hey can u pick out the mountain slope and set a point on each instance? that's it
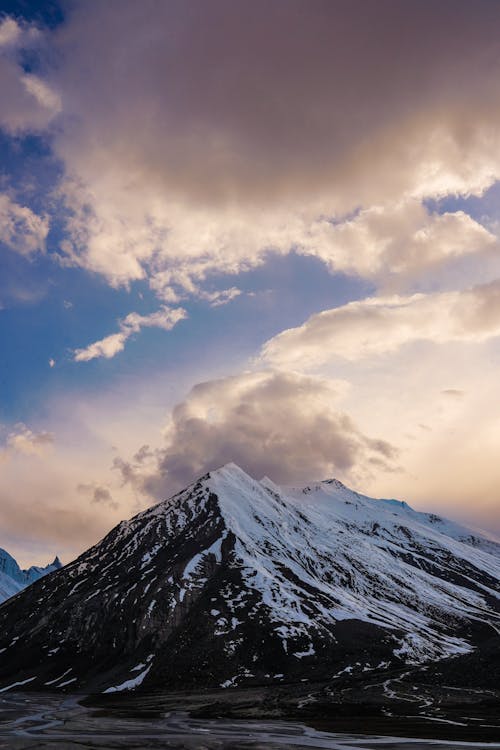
(13, 579)
(234, 581)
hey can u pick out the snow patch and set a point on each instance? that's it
(129, 684)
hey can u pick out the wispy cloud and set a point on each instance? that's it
(108, 347)
(380, 325)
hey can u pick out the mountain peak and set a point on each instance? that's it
(230, 470)
(234, 580)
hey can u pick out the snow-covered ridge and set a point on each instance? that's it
(13, 579)
(351, 556)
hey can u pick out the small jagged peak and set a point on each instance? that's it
(57, 563)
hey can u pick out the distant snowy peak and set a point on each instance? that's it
(13, 579)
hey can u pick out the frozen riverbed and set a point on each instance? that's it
(40, 721)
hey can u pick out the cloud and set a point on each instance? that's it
(106, 347)
(21, 229)
(222, 297)
(42, 511)
(99, 495)
(166, 319)
(380, 325)
(179, 166)
(44, 95)
(186, 153)
(29, 102)
(400, 242)
(22, 440)
(10, 32)
(283, 425)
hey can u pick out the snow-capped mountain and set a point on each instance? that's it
(235, 581)
(13, 579)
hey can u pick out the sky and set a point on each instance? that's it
(260, 231)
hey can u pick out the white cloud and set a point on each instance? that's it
(45, 96)
(29, 103)
(383, 324)
(222, 297)
(108, 347)
(398, 243)
(22, 440)
(20, 228)
(10, 32)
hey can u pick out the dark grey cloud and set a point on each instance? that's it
(99, 495)
(283, 425)
(143, 454)
(252, 99)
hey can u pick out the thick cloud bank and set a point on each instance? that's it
(197, 137)
(282, 425)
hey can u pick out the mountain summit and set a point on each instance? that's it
(234, 581)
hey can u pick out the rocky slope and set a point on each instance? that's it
(13, 579)
(239, 582)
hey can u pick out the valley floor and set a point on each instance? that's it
(233, 720)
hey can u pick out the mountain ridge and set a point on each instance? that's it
(234, 582)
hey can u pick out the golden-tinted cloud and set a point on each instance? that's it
(197, 137)
(379, 325)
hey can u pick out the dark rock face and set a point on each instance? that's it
(235, 582)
